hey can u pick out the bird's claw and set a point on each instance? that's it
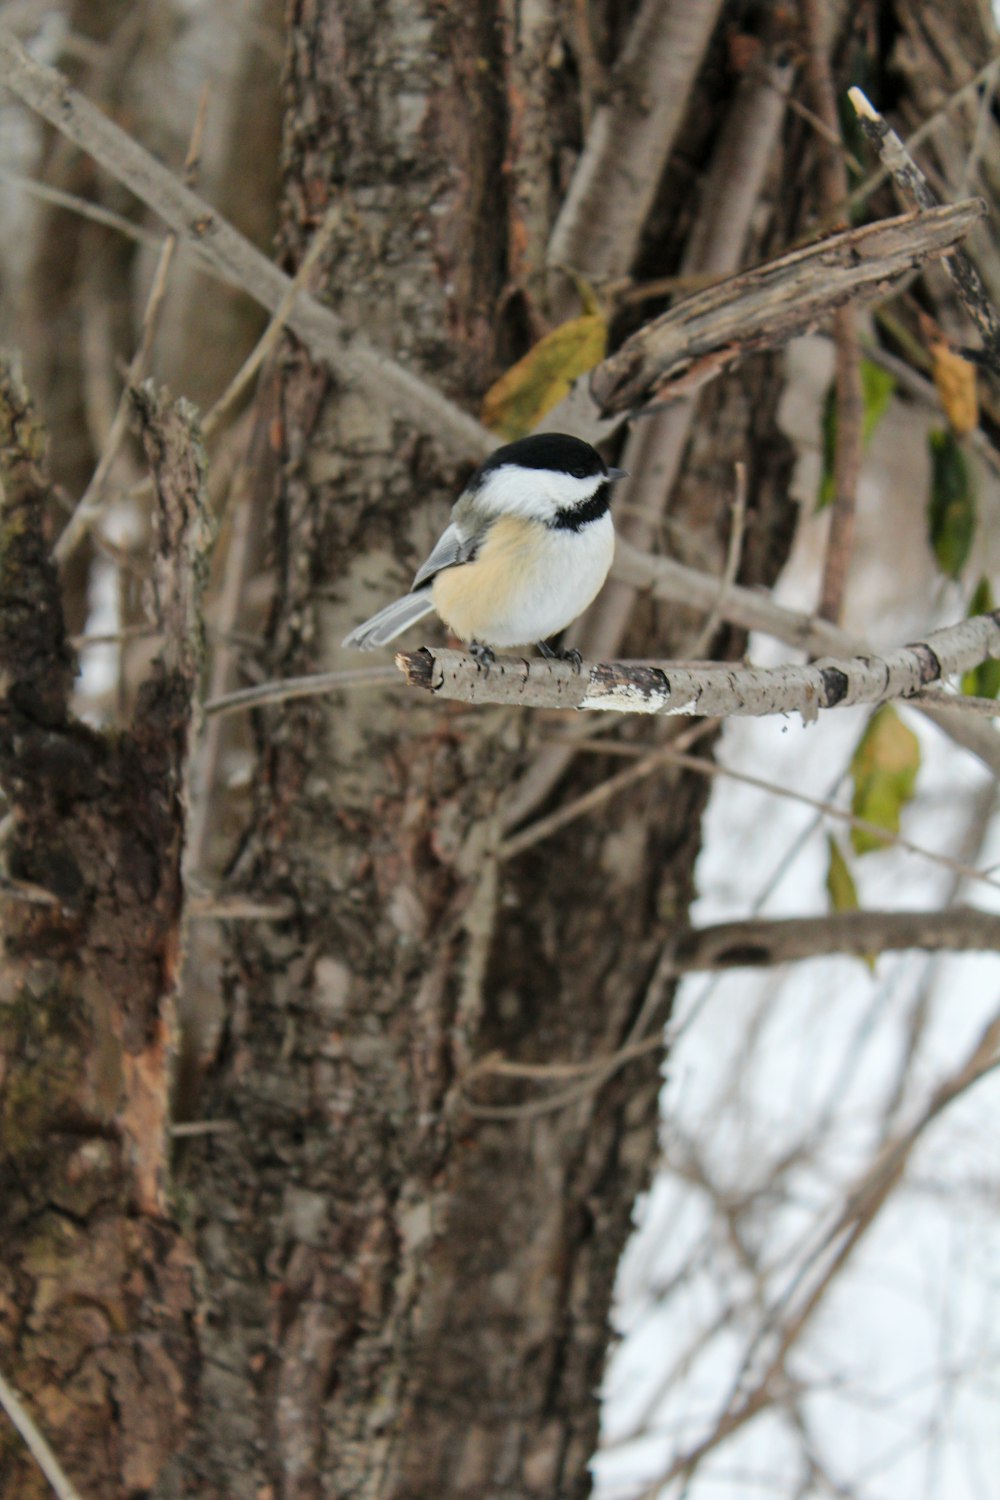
(482, 655)
(569, 654)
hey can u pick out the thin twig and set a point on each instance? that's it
(496, 1066)
(40, 1450)
(871, 184)
(83, 207)
(272, 333)
(831, 810)
(301, 687)
(588, 802)
(765, 942)
(672, 755)
(238, 908)
(915, 188)
(26, 890)
(734, 553)
(93, 500)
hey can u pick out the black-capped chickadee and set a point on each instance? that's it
(528, 548)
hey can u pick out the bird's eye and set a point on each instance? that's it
(578, 471)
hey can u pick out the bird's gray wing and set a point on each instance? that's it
(458, 543)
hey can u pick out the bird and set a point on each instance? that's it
(528, 547)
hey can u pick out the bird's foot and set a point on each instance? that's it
(482, 655)
(562, 654)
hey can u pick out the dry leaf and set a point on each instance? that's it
(516, 403)
(955, 379)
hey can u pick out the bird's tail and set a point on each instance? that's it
(390, 622)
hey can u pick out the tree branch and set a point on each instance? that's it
(704, 334)
(228, 255)
(722, 691)
(40, 1449)
(598, 228)
(753, 610)
(913, 185)
(759, 944)
(690, 344)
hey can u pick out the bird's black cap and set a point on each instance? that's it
(546, 450)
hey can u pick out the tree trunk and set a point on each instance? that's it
(96, 1285)
(432, 1317)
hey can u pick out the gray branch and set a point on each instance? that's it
(913, 186)
(598, 228)
(704, 334)
(710, 691)
(765, 943)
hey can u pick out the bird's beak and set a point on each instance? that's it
(616, 474)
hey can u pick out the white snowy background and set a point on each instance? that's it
(782, 1086)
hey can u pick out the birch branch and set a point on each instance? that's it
(225, 252)
(711, 691)
(754, 610)
(764, 943)
(704, 334)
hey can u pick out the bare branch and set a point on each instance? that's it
(597, 231)
(93, 500)
(713, 691)
(706, 333)
(40, 1450)
(231, 257)
(914, 186)
(762, 943)
(82, 206)
(862, 1206)
(286, 688)
(755, 610)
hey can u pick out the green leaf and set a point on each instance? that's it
(884, 767)
(517, 402)
(840, 885)
(841, 888)
(951, 511)
(877, 389)
(982, 681)
(829, 447)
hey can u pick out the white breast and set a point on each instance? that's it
(527, 583)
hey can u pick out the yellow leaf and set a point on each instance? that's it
(884, 767)
(517, 402)
(955, 379)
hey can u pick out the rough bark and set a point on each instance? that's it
(433, 1313)
(96, 1285)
